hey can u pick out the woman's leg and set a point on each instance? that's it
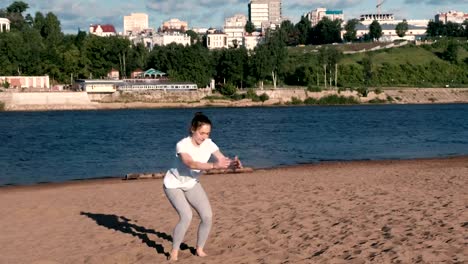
(179, 202)
(198, 199)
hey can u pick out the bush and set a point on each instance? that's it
(378, 91)
(363, 91)
(252, 95)
(389, 98)
(215, 97)
(2, 106)
(313, 88)
(377, 101)
(295, 101)
(310, 101)
(263, 97)
(6, 85)
(237, 97)
(228, 89)
(337, 100)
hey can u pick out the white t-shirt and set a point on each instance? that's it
(181, 176)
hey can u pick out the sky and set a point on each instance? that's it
(79, 14)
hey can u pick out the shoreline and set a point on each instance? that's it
(62, 101)
(395, 211)
(121, 179)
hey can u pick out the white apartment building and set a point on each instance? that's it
(234, 27)
(451, 16)
(389, 33)
(367, 19)
(4, 24)
(135, 23)
(102, 30)
(168, 38)
(174, 24)
(261, 11)
(318, 14)
(217, 40)
(252, 40)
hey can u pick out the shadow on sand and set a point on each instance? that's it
(122, 224)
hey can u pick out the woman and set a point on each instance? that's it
(182, 186)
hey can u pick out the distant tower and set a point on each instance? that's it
(261, 11)
(135, 23)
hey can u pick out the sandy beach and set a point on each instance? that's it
(412, 211)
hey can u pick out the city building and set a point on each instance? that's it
(451, 16)
(135, 23)
(216, 40)
(367, 19)
(4, 24)
(113, 74)
(389, 33)
(163, 39)
(174, 24)
(234, 27)
(250, 41)
(102, 30)
(200, 31)
(26, 81)
(265, 11)
(318, 14)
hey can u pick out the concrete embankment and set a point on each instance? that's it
(47, 101)
(31, 101)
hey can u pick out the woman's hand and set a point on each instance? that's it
(222, 163)
(236, 163)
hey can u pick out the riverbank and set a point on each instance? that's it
(79, 101)
(404, 211)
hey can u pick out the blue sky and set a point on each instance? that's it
(75, 14)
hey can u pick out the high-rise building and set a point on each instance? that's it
(234, 27)
(265, 12)
(451, 16)
(318, 14)
(135, 23)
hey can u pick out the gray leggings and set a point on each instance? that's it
(181, 200)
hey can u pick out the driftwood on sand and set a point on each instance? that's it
(160, 175)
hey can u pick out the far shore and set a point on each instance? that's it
(278, 97)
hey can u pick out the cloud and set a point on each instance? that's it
(436, 2)
(201, 13)
(313, 4)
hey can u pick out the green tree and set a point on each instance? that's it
(451, 52)
(17, 7)
(327, 31)
(375, 30)
(350, 28)
(453, 29)
(435, 29)
(231, 65)
(367, 68)
(268, 59)
(194, 37)
(249, 27)
(465, 26)
(14, 13)
(303, 27)
(401, 28)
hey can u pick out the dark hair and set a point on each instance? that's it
(199, 120)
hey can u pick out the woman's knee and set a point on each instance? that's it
(186, 217)
(207, 217)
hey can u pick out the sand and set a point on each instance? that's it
(413, 211)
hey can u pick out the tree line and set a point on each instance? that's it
(36, 46)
